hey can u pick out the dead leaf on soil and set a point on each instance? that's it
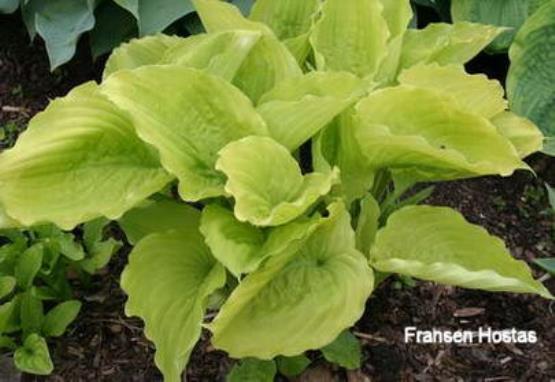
(468, 312)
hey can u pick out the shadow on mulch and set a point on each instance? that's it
(104, 345)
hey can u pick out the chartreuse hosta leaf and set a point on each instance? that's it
(523, 134)
(136, 53)
(368, 223)
(272, 62)
(474, 94)
(241, 247)
(350, 36)
(446, 43)
(530, 80)
(438, 244)
(236, 245)
(338, 145)
(397, 14)
(158, 215)
(430, 139)
(78, 160)
(296, 109)
(217, 15)
(287, 18)
(267, 183)
(301, 298)
(188, 116)
(6, 222)
(269, 59)
(220, 53)
(477, 95)
(168, 279)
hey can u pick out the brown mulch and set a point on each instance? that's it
(104, 345)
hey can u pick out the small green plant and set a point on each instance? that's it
(36, 301)
(8, 134)
(345, 351)
(292, 137)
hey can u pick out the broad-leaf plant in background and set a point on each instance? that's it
(292, 137)
(528, 37)
(61, 23)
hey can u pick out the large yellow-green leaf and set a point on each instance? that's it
(351, 36)
(168, 279)
(446, 43)
(475, 94)
(505, 13)
(235, 244)
(530, 81)
(295, 110)
(367, 224)
(337, 145)
(217, 15)
(220, 53)
(523, 134)
(188, 116)
(269, 59)
(139, 52)
(241, 247)
(299, 47)
(287, 18)
(438, 244)
(78, 160)
(267, 183)
(158, 215)
(318, 84)
(397, 14)
(6, 221)
(301, 298)
(426, 135)
(272, 62)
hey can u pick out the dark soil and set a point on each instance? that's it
(104, 345)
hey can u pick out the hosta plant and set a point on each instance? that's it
(290, 138)
(61, 23)
(510, 14)
(532, 70)
(36, 299)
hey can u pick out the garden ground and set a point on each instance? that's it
(104, 345)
